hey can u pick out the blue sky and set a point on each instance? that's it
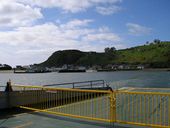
(30, 31)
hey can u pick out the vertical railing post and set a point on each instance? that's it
(8, 89)
(73, 85)
(112, 106)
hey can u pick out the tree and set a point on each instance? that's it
(157, 41)
(147, 42)
(106, 50)
(110, 50)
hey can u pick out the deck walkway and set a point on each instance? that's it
(21, 118)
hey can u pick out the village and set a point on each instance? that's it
(79, 68)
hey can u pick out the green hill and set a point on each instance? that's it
(75, 57)
(156, 55)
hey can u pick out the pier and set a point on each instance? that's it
(93, 101)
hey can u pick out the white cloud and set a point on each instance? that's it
(35, 43)
(108, 10)
(73, 6)
(102, 37)
(136, 29)
(104, 29)
(25, 12)
(14, 14)
(67, 35)
(76, 23)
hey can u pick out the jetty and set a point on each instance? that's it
(71, 71)
(85, 104)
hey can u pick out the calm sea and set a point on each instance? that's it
(115, 79)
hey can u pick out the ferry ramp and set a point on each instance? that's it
(126, 107)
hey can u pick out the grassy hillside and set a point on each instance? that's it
(156, 55)
(75, 57)
(63, 57)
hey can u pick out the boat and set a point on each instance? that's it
(31, 71)
(91, 70)
(71, 70)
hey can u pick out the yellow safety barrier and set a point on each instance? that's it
(78, 103)
(150, 109)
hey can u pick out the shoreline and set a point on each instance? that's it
(146, 69)
(156, 69)
(6, 71)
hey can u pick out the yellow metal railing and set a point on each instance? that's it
(143, 108)
(78, 103)
(150, 109)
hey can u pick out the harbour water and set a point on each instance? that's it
(153, 79)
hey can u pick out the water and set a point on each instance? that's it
(119, 79)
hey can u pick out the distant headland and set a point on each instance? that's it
(152, 55)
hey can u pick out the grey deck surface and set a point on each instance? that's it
(19, 118)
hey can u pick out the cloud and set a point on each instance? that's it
(72, 6)
(68, 34)
(14, 14)
(77, 23)
(102, 37)
(108, 10)
(35, 43)
(138, 30)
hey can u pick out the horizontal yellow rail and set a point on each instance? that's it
(63, 114)
(145, 93)
(141, 124)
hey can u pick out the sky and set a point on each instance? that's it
(31, 30)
